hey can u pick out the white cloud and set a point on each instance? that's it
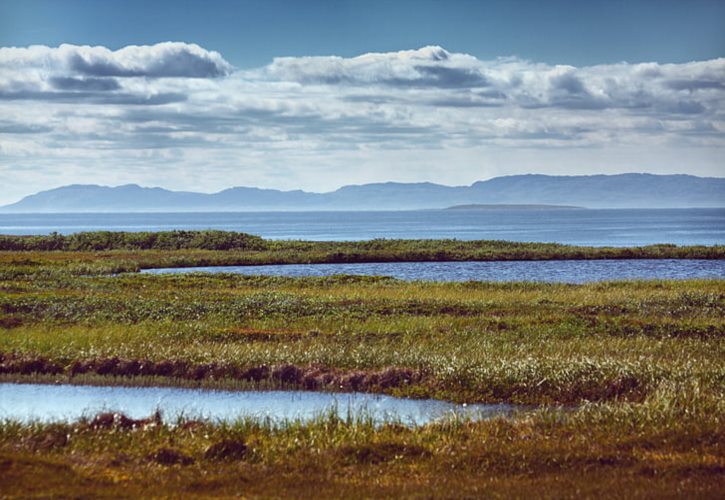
(181, 116)
(426, 67)
(169, 59)
(468, 82)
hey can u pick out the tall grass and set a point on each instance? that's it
(520, 342)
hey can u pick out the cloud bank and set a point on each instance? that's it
(463, 80)
(178, 111)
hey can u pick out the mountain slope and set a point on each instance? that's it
(595, 191)
(624, 190)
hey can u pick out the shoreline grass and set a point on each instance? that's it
(643, 451)
(108, 252)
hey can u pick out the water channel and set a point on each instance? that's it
(557, 271)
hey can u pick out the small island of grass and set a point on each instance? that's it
(504, 206)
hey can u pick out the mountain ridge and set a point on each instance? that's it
(631, 190)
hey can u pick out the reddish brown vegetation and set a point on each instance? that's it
(226, 450)
(307, 377)
(265, 335)
(8, 322)
(376, 453)
(170, 456)
(119, 420)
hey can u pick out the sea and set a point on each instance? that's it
(590, 227)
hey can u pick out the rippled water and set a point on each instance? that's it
(622, 227)
(46, 402)
(560, 271)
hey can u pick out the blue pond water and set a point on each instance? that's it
(560, 271)
(48, 403)
(622, 227)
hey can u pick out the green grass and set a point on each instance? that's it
(517, 342)
(640, 362)
(667, 446)
(110, 252)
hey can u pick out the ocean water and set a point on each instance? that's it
(613, 227)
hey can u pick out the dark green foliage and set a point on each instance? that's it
(260, 251)
(110, 240)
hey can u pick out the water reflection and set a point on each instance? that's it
(47, 402)
(558, 271)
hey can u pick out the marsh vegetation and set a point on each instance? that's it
(640, 362)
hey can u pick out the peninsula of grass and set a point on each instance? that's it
(106, 252)
(636, 364)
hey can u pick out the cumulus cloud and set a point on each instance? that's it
(93, 97)
(177, 102)
(461, 80)
(92, 84)
(426, 67)
(97, 75)
(169, 60)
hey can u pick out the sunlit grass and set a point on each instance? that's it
(521, 342)
(637, 365)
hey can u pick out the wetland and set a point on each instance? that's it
(640, 363)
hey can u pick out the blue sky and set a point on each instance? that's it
(251, 33)
(316, 95)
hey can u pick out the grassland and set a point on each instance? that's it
(639, 364)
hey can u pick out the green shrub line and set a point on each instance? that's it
(132, 251)
(120, 240)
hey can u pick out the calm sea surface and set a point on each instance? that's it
(621, 227)
(552, 271)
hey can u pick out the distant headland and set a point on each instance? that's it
(542, 192)
(509, 206)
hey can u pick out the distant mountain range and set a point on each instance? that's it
(592, 191)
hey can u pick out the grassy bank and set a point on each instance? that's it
(641, 360)
(109, 252)
(668, 447)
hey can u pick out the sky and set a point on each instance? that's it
(205, 95)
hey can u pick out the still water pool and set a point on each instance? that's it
(48, 402)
